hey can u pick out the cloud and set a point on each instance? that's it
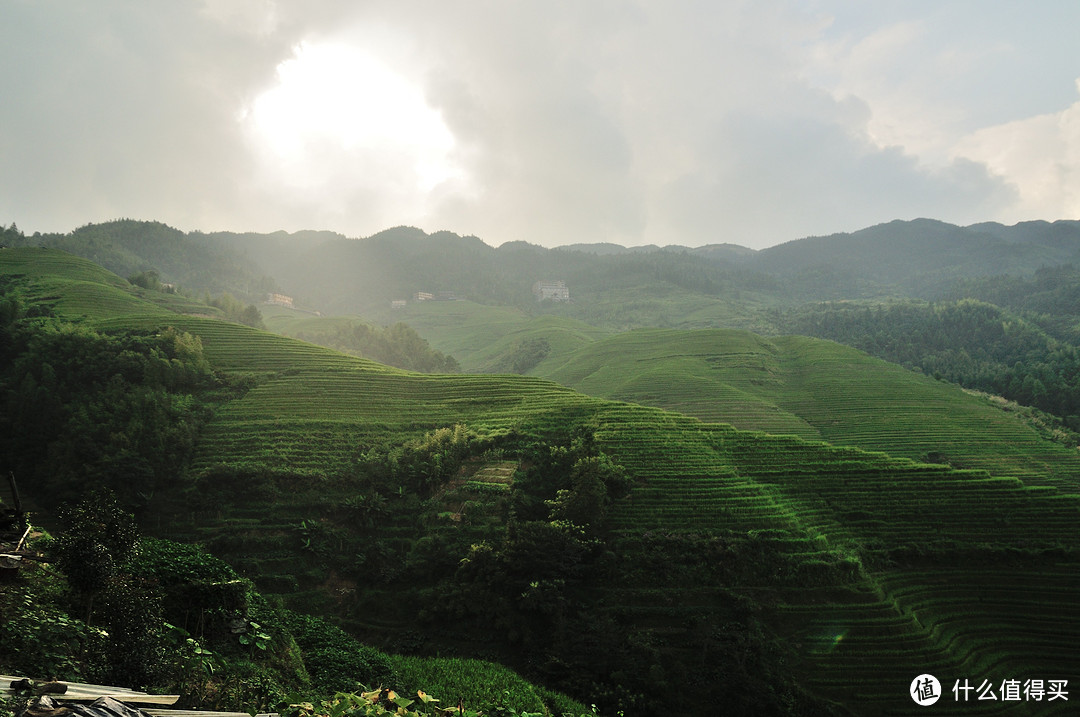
(639, 122)
(1039, 156)
(770, 178)
(122, 108)
(683, 123)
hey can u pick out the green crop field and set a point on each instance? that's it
(457, 328)
(817, 390)
(870, 566)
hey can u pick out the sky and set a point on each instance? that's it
(750, 122)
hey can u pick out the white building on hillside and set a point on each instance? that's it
(553, 290)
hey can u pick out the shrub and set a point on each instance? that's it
(40, 639)
(336, 661)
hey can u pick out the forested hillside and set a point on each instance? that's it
(635, 557)
(128, 247)
(971, 343)
(396, 345)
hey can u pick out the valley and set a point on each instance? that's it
(689, 502)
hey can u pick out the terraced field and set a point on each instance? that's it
(872, 568)
(458, 328)
(817, 390)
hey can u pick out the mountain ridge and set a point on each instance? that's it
(782, 573)
(919, 256)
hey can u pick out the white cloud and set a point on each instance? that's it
(1040, 156)
(554, 121)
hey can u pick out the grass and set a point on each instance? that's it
(817, 390)
(476, 683)
(458, 328)
(872, 566)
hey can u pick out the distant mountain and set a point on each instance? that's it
(724, 252)
(599, 249)
(191, 261)
(615, 551)
(611, 286)
(923, 256)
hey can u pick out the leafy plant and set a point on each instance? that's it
(336, 661)
(40, 639)
(254, 638)
(191, 665)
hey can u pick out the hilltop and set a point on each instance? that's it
(686, 287)
(637, 555)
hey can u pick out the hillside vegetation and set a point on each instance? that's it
(638, 557)
(968, 342)
(396, 345)
(819, 390)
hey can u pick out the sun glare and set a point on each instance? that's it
(337, 96)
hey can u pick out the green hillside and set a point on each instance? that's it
(395, 345)
(79, 288)
(191, 260)
(637, 556)
(818, 390)
(498, 340)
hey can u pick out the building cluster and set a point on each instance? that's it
(425, 296)
(279, 300)
(545, 290)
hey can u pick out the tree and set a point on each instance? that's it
(99, 538)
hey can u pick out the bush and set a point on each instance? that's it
(336, 661)
(132, 610)
(43, 640)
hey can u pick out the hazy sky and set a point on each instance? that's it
(556, 121)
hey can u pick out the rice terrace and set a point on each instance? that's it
(623, 518)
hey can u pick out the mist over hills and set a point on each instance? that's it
(620, 548)
(331, 273)
(783, 519)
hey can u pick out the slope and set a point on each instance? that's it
(923, 256)
(848, 572)
(191, 260)
(815, 389)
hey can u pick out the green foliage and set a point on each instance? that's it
(254, 638)
(336, 661)
(98, 540)
(1048, 298)
(975, 344)
(42, 639)
(131, 609)
(386, 701)
(149, 280)
(425, 463)
(526, 354)
(189, 665)
(368, 704)
(242, 685)
(594, 481)
(175, 564)
(396, 345)
(477, 685)
(235, 310)
(14, 706)
(86, 409)
(94, 551)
